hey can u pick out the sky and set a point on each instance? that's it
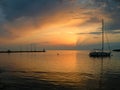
(58, 24)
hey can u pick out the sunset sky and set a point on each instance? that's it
(58, 24)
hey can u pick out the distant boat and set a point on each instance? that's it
(101, 52)
(116, 50)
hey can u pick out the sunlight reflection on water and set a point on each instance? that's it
(69, 70)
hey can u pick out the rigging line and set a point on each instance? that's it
(108, 42)
(109, 47)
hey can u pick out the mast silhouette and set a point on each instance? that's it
(101, 53)
(102, 35)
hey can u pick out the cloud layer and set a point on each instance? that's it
(25, 18)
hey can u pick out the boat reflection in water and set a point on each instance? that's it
(70, 70)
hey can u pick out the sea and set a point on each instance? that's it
(59, 70)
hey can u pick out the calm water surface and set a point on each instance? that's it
(68, 70)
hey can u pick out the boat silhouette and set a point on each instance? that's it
(101, 52)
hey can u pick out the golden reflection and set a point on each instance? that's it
(48, 61)
(56, 67)
(52, 67)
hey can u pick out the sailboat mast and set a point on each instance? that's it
(102, 35)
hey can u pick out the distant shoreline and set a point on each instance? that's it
(116, 50)
(20, 51)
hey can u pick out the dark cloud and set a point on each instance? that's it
(108, 8)
(98, 33)
(2, 16)
(115, 32)
(111, 8)
(19, 13)
(95, 33)
(14, 9)
(28, 8)
(117, 1)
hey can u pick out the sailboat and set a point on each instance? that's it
(101, 53)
